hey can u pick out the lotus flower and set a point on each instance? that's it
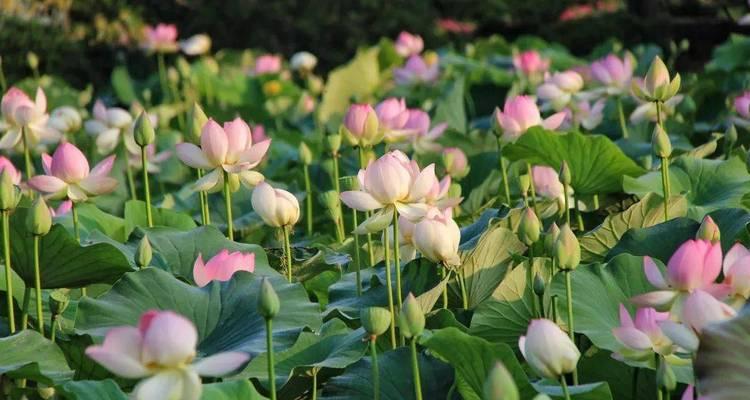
(392, 118)
(548, 349)
(278, 208)
(647, 111)
(196, 45)
(737, 271)
(267, 64)
(422, 135)
(392, 182)
(521, 113)
(7, 165)
(407, 249)
(437, 237)
(68, 176)
(643, 337)
(303, 61)
(742, 108)
(222, 266)
(456, 163)
(361, 126)
(408, 44)
(547, 184)
(656, 86)
(107, 126)
(559, 88)
(699, 310)
(530, 63)
(613, 72)
(161, 349)
(416, 70)
(161, 38)
(585, 114)
(20, 112)
(227, 151)
(65, 119)
(438, 195)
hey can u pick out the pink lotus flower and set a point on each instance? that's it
(458, 27)
(613, 72)
(362, 127)
(643, 337)
(65, 119)
(6, 165)
(559, 88)
(68, 176)
(547, 182)
(548, 349)
(437, 237)
(161, 349)
(107, 126)
(422, 135)
(267, 64)
(392, 118)
(227, 151)
(521, 113)
(701, 309)
(530, 63)
(438, 195)
(737, 271)
(408, 44)
(258, 133)
(416, 70)
(277, 207)
(742, 108)
(19, 112)
(222, 266)
(456, 163)
(161, 38)
(392, 182)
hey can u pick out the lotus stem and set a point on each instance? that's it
(25, 308)
(571, 323)
(665, 185)
(370, 252)
(564, 385)
(553, 306)
(389, 284)
(659, 394)
(27, 154)
(8, 274)
(658, 113)
(337, 187)
(462, 286)
(375, 369)
(128, 170)
(415, 369)
(163, 76)
(146, 189)
(38, 286)
(53, 327)
(503, 171)
(269, 348)
(287, 252)
(579, 215)
(357, 256)
(634, 387)
(3, 82)
(308, 201)
(532, 188)
(315, 384)
(205, 214)
(397, 258)
(77, 232)
(228, 205)
(623, 121)
(567, 206)
(445, 288)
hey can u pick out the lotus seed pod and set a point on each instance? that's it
(565, 177)
(334, 143)
(538, 286)
(529, 228)
(550, 238)
(144, 253)
(499, 385)
(305, 154)
(10, 195)
(39, 218)
(660, 142)
(268, 300)
(58, 301)
(375, 320)
(143, 132)
(411, 320)
(708, 230)
(196, 119)
(567, 249)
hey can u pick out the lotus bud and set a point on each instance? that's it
(33, 60)
(524, 183)
(411, 319)
(548, 350)
(305, 154)
(143, 253)
(349, 183)
(665, 377)
(196, 119)
(550, 238)
(456, 163)
(538, 286)
(58, 301)
(708, 230)
(529, 227)
(375, 320)
(10, 195)
(567, 250)
(361, 126)
(564, 174)
(268, 300)
(660, 142)
(39, 219)
(656, 85)
(143, 132)
(454, 190)
(334, 143)
(500, 384)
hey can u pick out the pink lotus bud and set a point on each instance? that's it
(222, 266)
(408, 44)
(362, 126)
(69, 163)
(547, 182)
(7, 166)
(456, 163)
(613, 71)
(548, 349)
(267, 64)
(701, 309)
(742, 105)
(530, 62)
(161, 39)
(276, 207)
(437, 237)
(13, 100)
(521, 113)
(392, 113)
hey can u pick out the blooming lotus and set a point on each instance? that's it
(613, 72)
(408, 44)
(456, 163)
(107, 126)
(65, 119)
(548, 349)
(20, 112)
(7, 166)
(392, 118)
(699, 310)
(161, 38)
(737, 271)
(225, 152)
(303, 61)
(643, 337)
(521, 113)
(390, 183)
(742, 108)
(531, 63)
(277, 207)
(421, 134)
(68, 175)
(416, 70)
(437, 196)
(647, 111)
(267, 64)
(361, 126)
(162, 349)
(222, 266)
(196, 45)
(559, 88)
(437, 237)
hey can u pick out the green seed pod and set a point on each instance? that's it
(529, 228)
(58, 301)
(411, 319)
(144, 253)
(268, 300)
(550, 238)
(39, 219)
(499, 385)
(565, 177)
(660, 143)
(567, 249)
(334, 143)
(196, 119)
(143, 132)
(708, 230)
(539, 286)
(375, 320)
(305, 154)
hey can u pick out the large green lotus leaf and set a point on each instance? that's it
(92, 390)
(359, 78)
(135, 216)
(91, 219)
(176, 250)
(596, 164)
(336, 346)
(74, 348)
(708, 185)
(597, 365)
(473, 358)
(62, 262)
(590, 391)
(28, 355)
(396, 381)
(232, 390)
(450, 108)
(649, 211)
(723, 360)
(224, 313)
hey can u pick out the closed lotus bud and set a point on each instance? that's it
(564, 174)
(548, 350)
(538, 286)
(10, 195)
(524, 183)
(708, 230)
(58, 301)
(196, 119)
(665, 377)
(305, 154)
(334, 143)
(375, 320)
(268, 300)
(361, 126)
(39, 219)
(143, 132)
(456, 163)
(454, 190)
(33, 60)
(143, 253)
(550, 238)
(500, 385)
(529, 228)
(660, 142)
(567, 250)
(657, 85)
(411, 319)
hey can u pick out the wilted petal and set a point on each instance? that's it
(220, 364)
(361, 201)
(193, 156)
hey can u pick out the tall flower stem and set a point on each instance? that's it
(567, 206)
(532, 187)
(27, 153)
(357, 255)
(415, 369)
(564, 385)
(362, 164)
(25, 308)
(375, 369)
(337, 187)
(571, 324)
(308, 201)
(623, 122)
(397, 258)
(76, 232)
(503, 171)
(163, 76)
(228, 205)
(445, 288)
(205, 214)
(579, 215)
(665, 185)
(146, 189)
(287, 252)
(269, 348)
(8, 274)
(462, 285)
(315, 384)
(128, 169)
(389, 284)
(38, 287)
(656, 368)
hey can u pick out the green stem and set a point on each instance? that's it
(308, 201)
(128, 170)
(415, 370)
(25, 308)
(375, 369)
(163, 77)
(530, 279)
(634, 387)
(389, 284)
(205, 216)
(571, 324)
(77, 232)
(397, 258)
(553, 306)
(623, 122)
(564, 385)
(658, 113)
(8, 274)
(532, 187)
(38, 287)
(269, 348)
(3, 82)
(27, 154)
(228, 205)
(357, 256)
(579, 215)
(462, 286)
(445, 288)
(315, 384)
(370, 252)
(337, 187)
(665, 185)
(287, 252)
(656, 368)
(503, 171)
(53, 327)
(567, 206)
(146, 189)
